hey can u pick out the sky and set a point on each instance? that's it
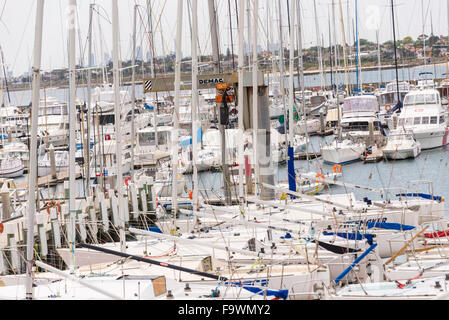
(17, 23)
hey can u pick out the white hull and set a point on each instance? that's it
(343, 153)
(431, 140)
(402, 154)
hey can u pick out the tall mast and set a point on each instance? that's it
(255, 93)
(72, 132)
(232, 37)
(357, 46)
(318, 43)
(133, 92)
(291, 103)
(89, 98)
(331, 52)
(118, 127)
(195, 122)
(282, 71)
(335, 45)
(32, 177)
(395, 53)
(423, 30)
(175, 136)
(344, 46)
(302, 82)
(214, 35)
(151, 49)
(241, 27)
(379, 60)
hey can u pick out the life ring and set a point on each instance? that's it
(388, 108)
(337, 168)
(319, 175)
(53, 204)
(127, 180)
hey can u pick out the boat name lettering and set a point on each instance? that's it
(211, 81)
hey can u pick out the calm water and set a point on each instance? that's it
(430, 166)
(413, 175)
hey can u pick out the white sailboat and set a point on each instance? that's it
(401, 146)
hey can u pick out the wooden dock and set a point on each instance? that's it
(374, 158)
(305, 156)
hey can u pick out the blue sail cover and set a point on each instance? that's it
(291, 170)
(389, 226)
(421, 195)
(280, 294)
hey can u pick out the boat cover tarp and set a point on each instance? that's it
(421, 195)
(389, 226)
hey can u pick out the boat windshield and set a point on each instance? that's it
(361, 104)
(147, 139)
(401, 137)
(416, 99)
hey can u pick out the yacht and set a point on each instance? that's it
(147, 150)
(11, 167)
(424, 116)
(17, 149)
(53, 122)
(342, 152)
(358, 113)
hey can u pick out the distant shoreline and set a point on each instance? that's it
(127, 81)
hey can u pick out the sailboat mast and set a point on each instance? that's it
(195, 102)
(118, 127)
(151, 50)
(395, 51)
(291, 123)
(255, 93)
(89, 98)
(282, 70)
(72, 132)
(133, 92)
(357, 46)
(241, 27)
(175, 133)
(32, 177)
(343, 34)
(318, 43)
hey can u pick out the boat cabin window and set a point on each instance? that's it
(147, 139)
(107, 119)
(416, 99)
(441, 119)
(359, 126)
(417, 121)
(425, 120)
(433, 120)
(401, 122)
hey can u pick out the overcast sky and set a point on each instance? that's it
(18, 19)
